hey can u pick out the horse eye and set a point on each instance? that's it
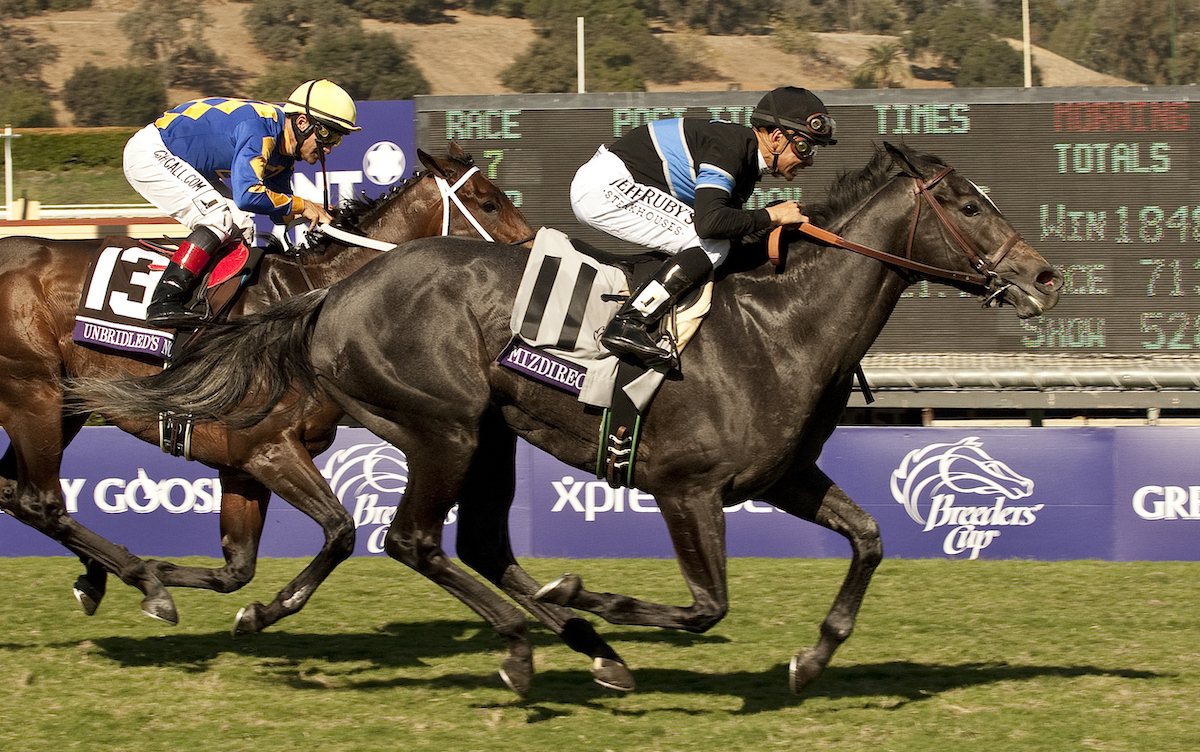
(491, 207)
(971, 209)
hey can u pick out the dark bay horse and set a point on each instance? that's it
(408, 347)
(40, 285)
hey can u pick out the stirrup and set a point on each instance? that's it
(651, 356)
(176, 317)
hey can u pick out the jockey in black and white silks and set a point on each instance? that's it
(680, 185)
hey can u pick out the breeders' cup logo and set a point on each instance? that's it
(364, 474)
(946, 478)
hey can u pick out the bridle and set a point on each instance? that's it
(449, 195)
(985, 267)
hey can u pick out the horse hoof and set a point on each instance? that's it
(612, 674)
(88, 596)
(161, 608)
(560, 591)
(803, 670)
(248, 620)
(517, 675)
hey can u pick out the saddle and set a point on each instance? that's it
(567, 296)
(112, 310)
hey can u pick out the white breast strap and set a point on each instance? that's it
(450, 194)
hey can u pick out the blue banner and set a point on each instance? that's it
(1050, 494)
(367, 162)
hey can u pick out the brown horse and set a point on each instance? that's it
(40, 286)
(409, 345)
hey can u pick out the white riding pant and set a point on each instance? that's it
(605, 196)
(175, 187)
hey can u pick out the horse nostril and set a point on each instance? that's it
(1050, 279)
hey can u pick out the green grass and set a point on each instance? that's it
(83, 186)
(947, 655)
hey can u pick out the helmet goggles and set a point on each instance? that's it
(326, 134)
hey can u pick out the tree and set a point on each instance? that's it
(169, 34)
(619, 50)
(24, 96)
(367, 66)
(884, 67)
(22, 57)
(405, 11)
(130, 95)
(1135, 41)
(26, 8)
(994, 62)
(281, 28)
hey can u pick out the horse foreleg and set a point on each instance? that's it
(484, 545)
(243, 510)
(810, 495)
(286, 468)
(697, 532)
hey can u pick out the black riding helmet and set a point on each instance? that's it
(790, 108)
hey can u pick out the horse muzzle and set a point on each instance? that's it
(1025, 281)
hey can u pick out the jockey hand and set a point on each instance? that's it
(786, 213)
(315, 213)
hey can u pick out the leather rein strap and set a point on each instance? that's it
(984, 267)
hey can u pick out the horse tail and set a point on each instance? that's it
(236, 372)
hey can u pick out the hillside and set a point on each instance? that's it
(466, 57)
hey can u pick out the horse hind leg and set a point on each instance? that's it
(32, 493)
(90, 587)
(810, 495)
(484, 545)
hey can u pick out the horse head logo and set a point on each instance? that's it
(962, 467)
(378, 468)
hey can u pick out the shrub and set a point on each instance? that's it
(114, 96)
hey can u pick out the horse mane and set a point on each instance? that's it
(353, 213)
(849, 188)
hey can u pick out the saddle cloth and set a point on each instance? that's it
(118, 287)
(565, 300)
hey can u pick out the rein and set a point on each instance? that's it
(449, 194)
(984, 269)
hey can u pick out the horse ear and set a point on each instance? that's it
(903, 158)
(432, 163)
(457, 152)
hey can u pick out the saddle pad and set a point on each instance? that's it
(116, 291)
(559, 310)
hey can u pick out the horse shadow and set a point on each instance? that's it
(347, 658)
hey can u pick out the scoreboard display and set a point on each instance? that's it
(1105, 183)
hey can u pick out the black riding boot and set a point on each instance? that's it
(628, 333)
(168, 303)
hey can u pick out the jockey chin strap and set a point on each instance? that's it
(449, 195)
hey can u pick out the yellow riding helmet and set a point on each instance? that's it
(325, 102)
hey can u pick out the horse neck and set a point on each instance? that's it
(832, 297)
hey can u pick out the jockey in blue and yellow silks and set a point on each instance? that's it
(212, 163)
